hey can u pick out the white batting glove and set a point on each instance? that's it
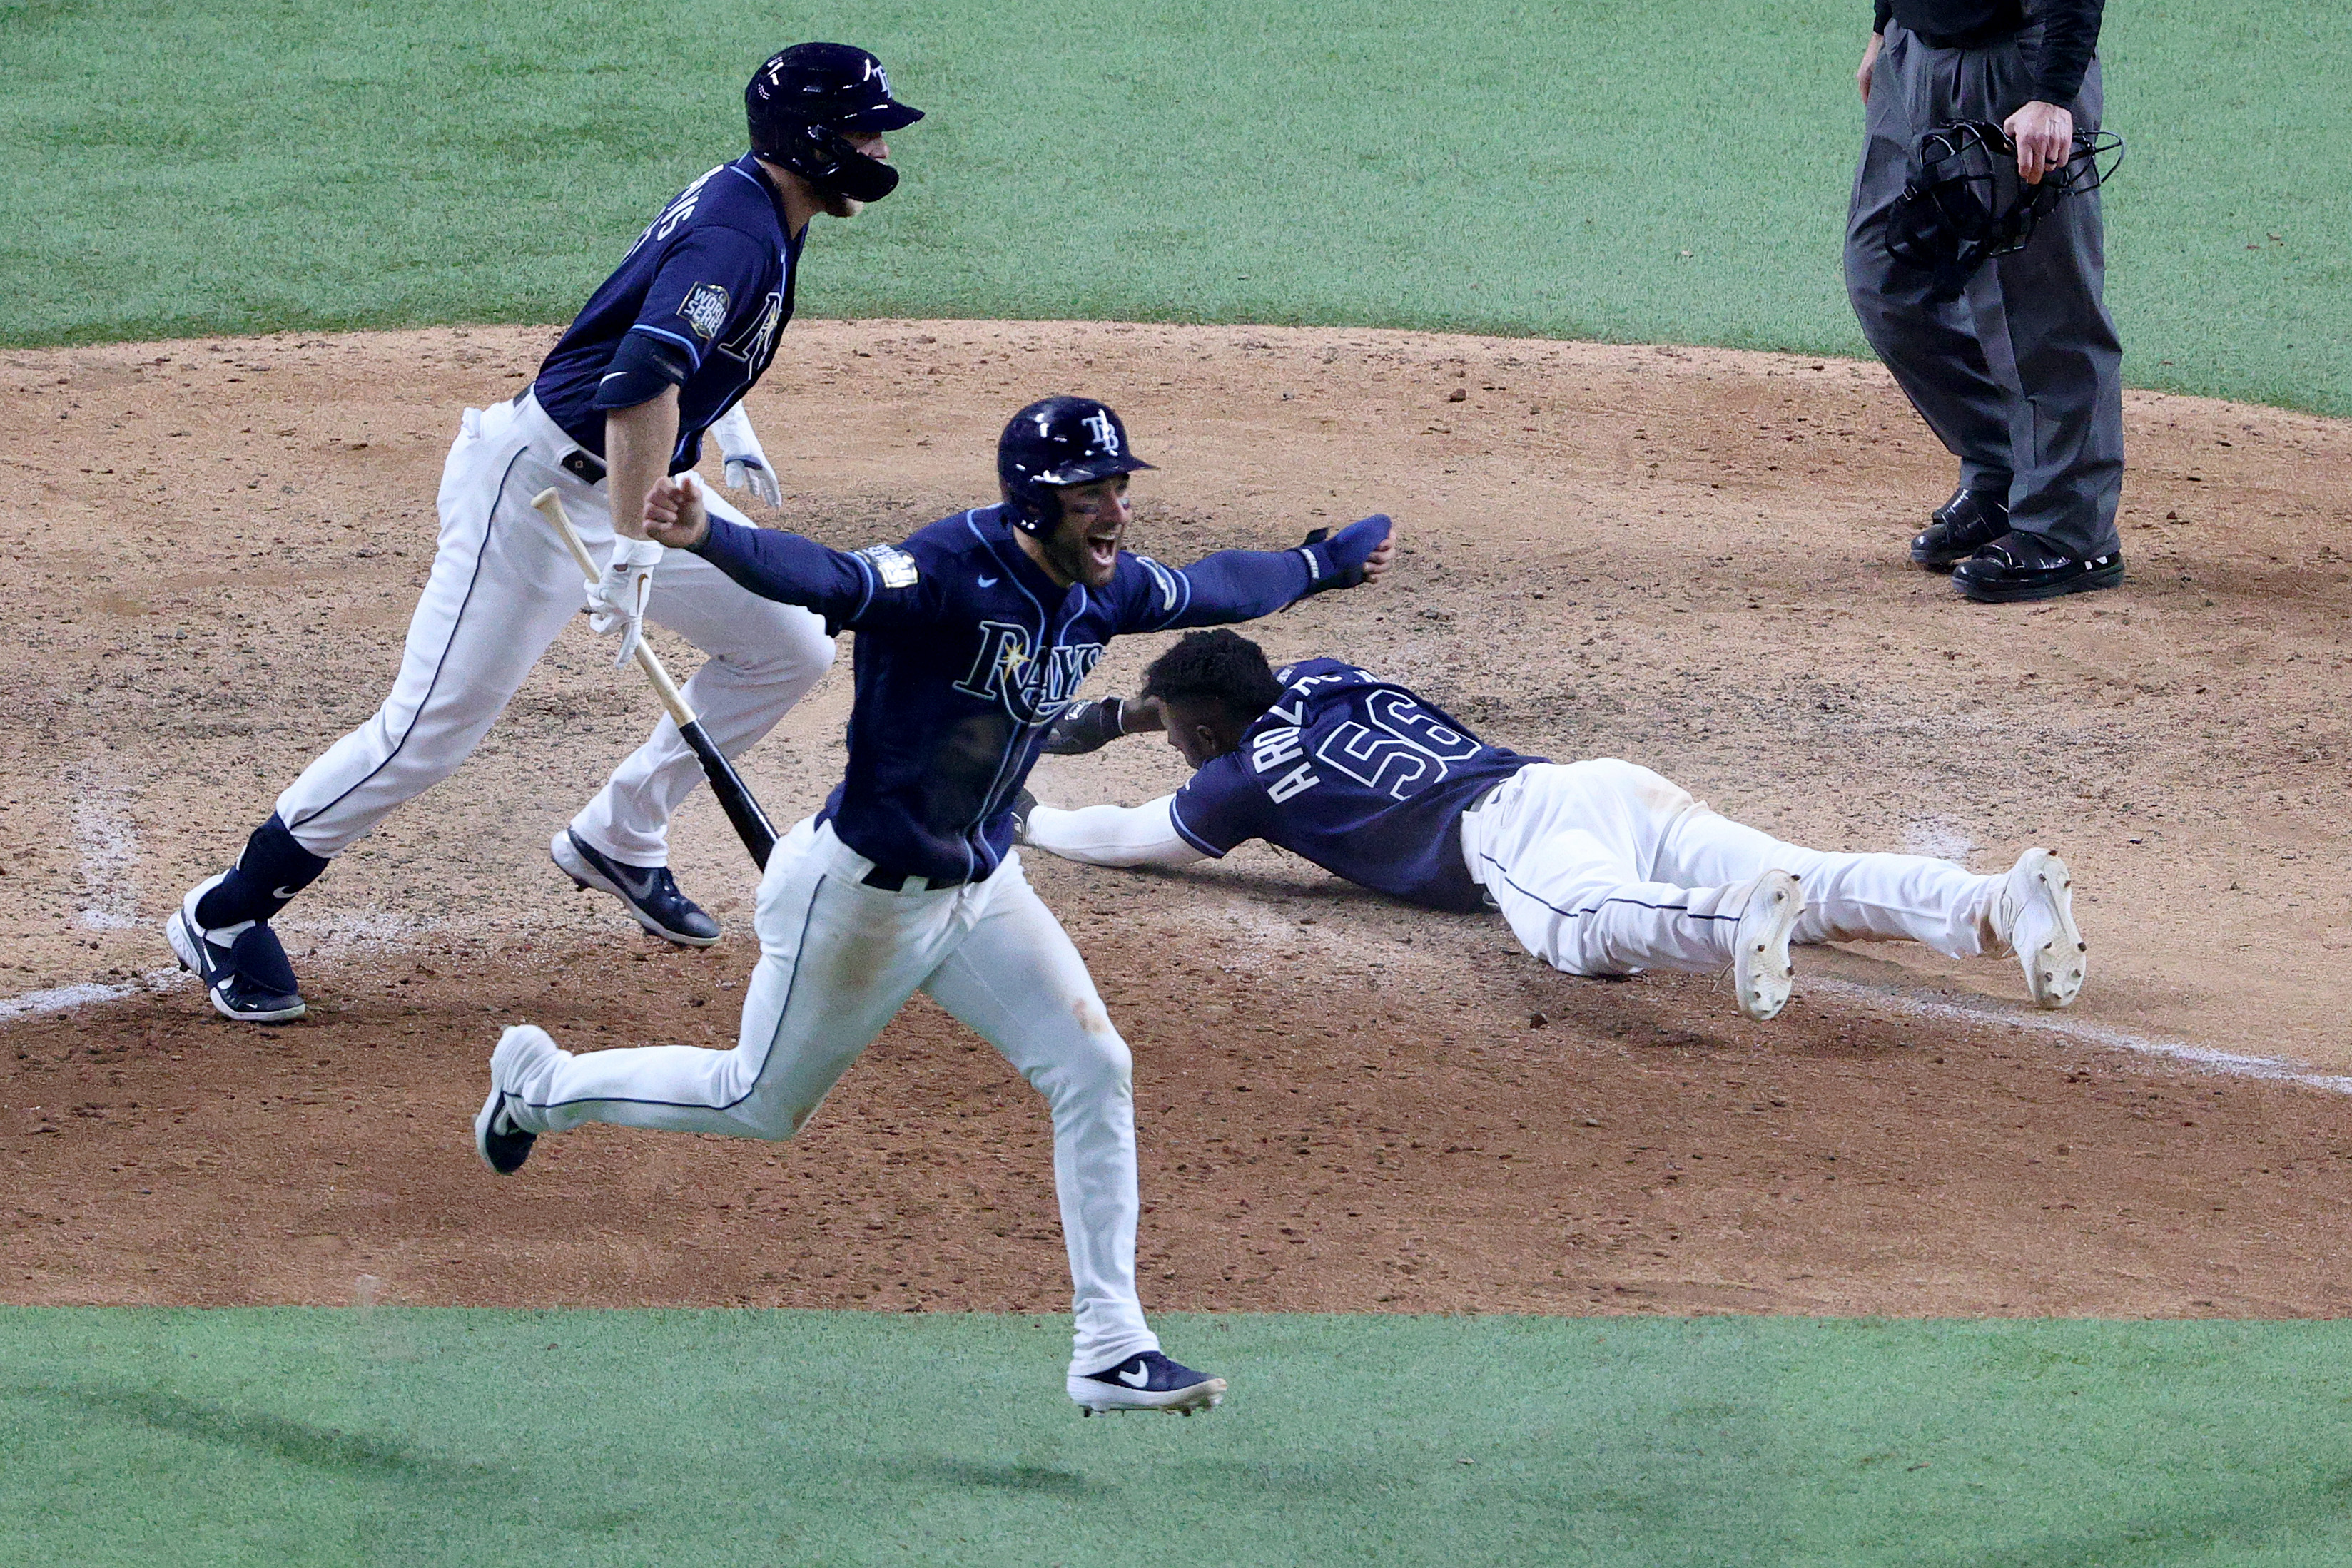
(746, 460)
(616, 601)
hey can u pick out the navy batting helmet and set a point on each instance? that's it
(801, 102)
(1058, 441)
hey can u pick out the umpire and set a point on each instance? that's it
(2019, 377)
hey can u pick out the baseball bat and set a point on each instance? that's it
(752, 824)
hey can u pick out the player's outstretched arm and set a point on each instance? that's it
(771, 562)
(1242, 585)
(1112, 835)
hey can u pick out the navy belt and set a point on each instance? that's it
(889, 881)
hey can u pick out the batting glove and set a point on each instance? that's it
(1338, 560)
(616, 601)
(1085, 726)
(746, 461)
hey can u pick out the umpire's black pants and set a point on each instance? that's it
(2020, 378)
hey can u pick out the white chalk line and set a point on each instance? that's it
(2212, 1059)
(59, 998)
(109, 842)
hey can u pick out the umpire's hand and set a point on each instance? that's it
(2045, 134)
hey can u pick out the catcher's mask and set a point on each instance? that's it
(1967, 204)
(801, 102)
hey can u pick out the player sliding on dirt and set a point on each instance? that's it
(1600, 867)
(971, 637)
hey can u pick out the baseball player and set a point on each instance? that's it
(662, 352)
(1600, 867)
(2020, 377)
(972, 635)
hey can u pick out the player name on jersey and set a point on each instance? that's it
(1357, 774)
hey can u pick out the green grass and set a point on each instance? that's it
(301, 1437)
(1487, 165)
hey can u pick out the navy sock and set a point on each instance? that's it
(273, 868)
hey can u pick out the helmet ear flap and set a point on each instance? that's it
(824, 158)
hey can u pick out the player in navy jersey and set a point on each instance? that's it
(973, 636)
(662, 353)
(1600, 867)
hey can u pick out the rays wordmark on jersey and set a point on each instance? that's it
(1033, 690)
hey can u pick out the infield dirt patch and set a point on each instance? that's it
(1693, 559)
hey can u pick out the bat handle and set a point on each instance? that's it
(550, 504)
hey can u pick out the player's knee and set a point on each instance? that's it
(778, 1116)
(792, 648)
(1094, 1060)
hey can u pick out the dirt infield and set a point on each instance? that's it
(1693, 559)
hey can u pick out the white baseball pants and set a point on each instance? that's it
(503, 587)
(837, 960)
(1604, 868)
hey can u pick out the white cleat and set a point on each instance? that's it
(2037, 920)
(1760, 966)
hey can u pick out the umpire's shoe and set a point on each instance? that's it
(503, 1145)
(1962, 525)
(2020, 566)
(649, 891)
(244, 966)
(1146, 1381)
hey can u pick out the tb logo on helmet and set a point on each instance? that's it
(1055, 442)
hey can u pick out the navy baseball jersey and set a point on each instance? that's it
(710, 282)
(1356, 774)
(966, 652)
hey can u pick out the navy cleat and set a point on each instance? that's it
(649, 892)
(244, 966)
(1146, 1381)
(503, 1145)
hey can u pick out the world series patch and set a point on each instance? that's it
(705, 309)
(894, 566)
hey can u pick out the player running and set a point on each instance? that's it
(971, 637)
(1600, 867)
(661, 353)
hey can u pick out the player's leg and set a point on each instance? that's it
(1019, 983)
(2026, 913)
(1848, 897)
(501, 588)
(765, 657)
(837, 960)
(1930, 346)
(1566, 853)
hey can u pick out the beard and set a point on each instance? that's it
(841, 207)
(1066, 549)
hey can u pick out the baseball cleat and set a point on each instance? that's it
(1962, 525)
(2037, 920)
(1146, 1382)
(1761, 969)
(503, 1145)
(244, 967)
(2017, 568)
(649, 892)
